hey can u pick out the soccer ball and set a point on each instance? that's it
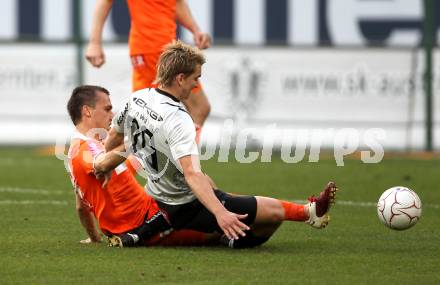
(399, 208)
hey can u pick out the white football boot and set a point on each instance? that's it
(319, 207)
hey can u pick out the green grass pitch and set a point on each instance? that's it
(40, 233)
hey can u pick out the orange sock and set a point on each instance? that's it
(293, 212)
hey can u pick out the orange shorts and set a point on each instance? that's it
(144, 71)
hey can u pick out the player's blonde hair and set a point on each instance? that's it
(177, 57)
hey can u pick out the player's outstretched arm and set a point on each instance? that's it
(94, 52)
(108, 161)
(229, 222)
(185, 18)
(115, 154)
(87, 221)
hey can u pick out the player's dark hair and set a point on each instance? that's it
(82, 95)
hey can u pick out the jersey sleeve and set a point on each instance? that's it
(88, 153)
(119, 119)
(181, 135)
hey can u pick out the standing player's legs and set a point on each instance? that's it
(199, 108)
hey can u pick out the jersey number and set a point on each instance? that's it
(141, 134)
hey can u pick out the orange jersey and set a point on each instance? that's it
(122, 205)
(153, 24)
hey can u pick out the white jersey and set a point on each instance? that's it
(159, 131)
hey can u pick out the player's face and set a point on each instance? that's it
(102, 113)
(191, 81)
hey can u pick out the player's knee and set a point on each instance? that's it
(204, 109)
(202, 103)
(207, 109)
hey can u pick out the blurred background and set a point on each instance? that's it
(287, 65)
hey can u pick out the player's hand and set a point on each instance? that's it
(104, 175)
(202, 40)
(107, 177)
(231, 225)
(89, 241)
(95, 54)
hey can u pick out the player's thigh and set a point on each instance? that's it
(197, 99)
(195, 216)
(190, 216)
(205, 221)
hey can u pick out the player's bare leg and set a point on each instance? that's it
(199, 108)
(270, 215)
(272, 212)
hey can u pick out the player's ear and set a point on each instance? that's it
(180, 77)
(86, 111)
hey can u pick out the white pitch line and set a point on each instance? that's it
(23, 162)
(29, 191)
(33, 202)
(47, 192)
(364, 204)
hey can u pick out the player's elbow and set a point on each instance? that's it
(102, 166)
(192, 176)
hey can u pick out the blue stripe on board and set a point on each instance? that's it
(120, 19)
(436, 19)
(29, 18)
(74, 26)
(324, 37)
(377, 32)
(276, 21)
(223, 11)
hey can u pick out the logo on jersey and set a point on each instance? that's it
(122, 116)
(141, 103)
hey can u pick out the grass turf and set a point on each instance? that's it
(39, 242)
